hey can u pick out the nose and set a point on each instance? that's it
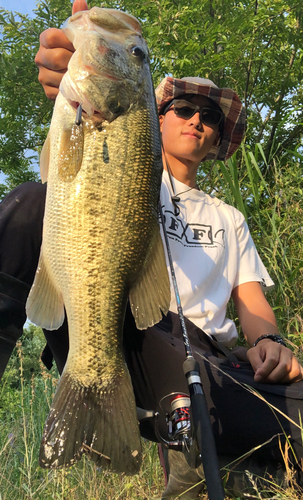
(195, 120)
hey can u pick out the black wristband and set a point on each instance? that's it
(271, 336)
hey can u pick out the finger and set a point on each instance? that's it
(79, 5)
(51, 92)
(264, 359)
(255, 359)
(49, 78)
(54, 59)
(283, 376)
(53, 38)
(278, 373)
(268, 372)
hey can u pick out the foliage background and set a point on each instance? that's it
(254, 47)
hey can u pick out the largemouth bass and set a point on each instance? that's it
(101, 241)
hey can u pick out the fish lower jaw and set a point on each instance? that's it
(96, 117)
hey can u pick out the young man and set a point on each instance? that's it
(187, 142)
(214, 259)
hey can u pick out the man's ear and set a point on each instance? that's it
(161, 118)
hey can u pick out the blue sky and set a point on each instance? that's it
(23, 6)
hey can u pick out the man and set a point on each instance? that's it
(214, 257)
(273, 363)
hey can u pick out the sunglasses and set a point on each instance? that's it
(186, 110)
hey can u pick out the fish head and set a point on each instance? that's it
(109, 70)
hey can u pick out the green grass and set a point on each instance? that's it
(269, 194)
(23, 411)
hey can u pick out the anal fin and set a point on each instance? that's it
(150, 295)
(44, 306)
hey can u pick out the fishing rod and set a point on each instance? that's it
(202, 430)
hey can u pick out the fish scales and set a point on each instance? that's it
(101, 245)
(104, 212)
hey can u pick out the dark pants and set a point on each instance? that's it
(240, 420)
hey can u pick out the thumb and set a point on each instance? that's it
(255, 359)
(79, 5)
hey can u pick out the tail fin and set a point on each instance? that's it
(98, 421)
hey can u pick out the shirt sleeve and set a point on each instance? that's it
(250, 265)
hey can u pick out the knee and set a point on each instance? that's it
(31, 193)
(22, 210)
(26, 202)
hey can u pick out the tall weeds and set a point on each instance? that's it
(21, 478)
(269, 194)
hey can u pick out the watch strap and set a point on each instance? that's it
(271, 336)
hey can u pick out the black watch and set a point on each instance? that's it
(271, 336)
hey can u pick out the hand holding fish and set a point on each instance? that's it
(54, 54)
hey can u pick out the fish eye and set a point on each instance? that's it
(137, 52)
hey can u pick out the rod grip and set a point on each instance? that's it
(203, 431)
(206, 444)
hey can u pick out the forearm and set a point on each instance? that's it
(255, 314)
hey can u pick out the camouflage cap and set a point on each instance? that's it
(234, 113)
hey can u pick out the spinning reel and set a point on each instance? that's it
(176, 410)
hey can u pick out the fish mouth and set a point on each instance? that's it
(96, 115)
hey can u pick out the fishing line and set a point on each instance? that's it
(176, 197)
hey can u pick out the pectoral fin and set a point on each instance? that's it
(44, 306)
(151, 293)
(71, 153)
(44, 160)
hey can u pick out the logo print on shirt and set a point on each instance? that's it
(192, 234)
